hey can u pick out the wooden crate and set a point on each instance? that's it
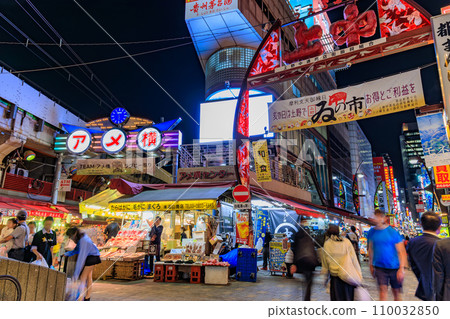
(129, 270)
(37, 283)
(103, 271)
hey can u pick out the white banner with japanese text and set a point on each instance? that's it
(123, 166)
(387, 95)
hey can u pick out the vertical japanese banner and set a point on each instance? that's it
(441, 35)
(442, 176)
(262, 163)
(434, 138)
(262, 223)
(242, 228)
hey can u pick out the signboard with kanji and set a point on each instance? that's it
(242, 228)
(123, 166)
(378, 168)
(199, 8)
(441, 34)
(206, 174)
(261, 159)
(65, 185)
(149, 139)
(78, 141)
(206, 204)
(442, 176)
(384, 96)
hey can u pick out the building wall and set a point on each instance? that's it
(361, 155)
(341, 164)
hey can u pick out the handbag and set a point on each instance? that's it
(347, 271)
(153, 249)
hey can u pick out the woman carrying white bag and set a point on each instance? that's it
(341, 263)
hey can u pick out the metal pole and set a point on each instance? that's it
(56, 180)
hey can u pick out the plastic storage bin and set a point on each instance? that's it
(247, 264)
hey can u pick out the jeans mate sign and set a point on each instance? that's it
(388, 95)
(206, 174)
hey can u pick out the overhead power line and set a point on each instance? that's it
(136, 62)
(99, 61)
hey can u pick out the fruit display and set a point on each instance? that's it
(215, 262)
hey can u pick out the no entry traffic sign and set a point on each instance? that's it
(241, 193)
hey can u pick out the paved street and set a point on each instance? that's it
(267, 288)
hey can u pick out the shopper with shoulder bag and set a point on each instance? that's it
(341, 263)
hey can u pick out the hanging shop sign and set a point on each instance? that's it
(242, 228)
(114, 140)
(445, 200)
(149, 139)
(199, 8)
(442, 176)
(78, 141)
(441, 35)
(434, 138)
(261, 160)
(123, 166)
(38, 213)
(384, 96)
(164, 206)
(206, 174)
(378, 168)
(239, 206)
(65, 185)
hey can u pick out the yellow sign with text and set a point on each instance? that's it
(262, 163)
(164, 206)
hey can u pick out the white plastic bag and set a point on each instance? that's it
(361, 294)
(40, 262)
(74, 290)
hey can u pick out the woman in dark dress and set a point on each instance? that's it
(43, 242)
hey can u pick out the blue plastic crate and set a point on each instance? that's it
(245, 275)
(247, 264)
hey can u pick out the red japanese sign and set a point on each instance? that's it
(206, 174)
(38, 213)
(114, 140)
(442, 176)
(242, 228)
(378, 168)
(198, 8)
(149, 139)
(78, 141)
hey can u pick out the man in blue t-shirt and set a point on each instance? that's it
(387, 256)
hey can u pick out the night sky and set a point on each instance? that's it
(177, 69)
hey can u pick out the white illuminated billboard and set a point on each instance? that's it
(217, 118)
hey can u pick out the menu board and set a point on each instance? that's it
(277, 256)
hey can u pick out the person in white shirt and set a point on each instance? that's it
(32, 228)
(341, 263)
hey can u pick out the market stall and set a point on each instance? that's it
(194, 209)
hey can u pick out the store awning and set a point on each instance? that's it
(98, 204)
(300, 209)
(193, 198)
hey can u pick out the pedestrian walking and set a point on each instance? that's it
(441, 270)
(266, 249)
(112, 229)
(88, 257)
(43, 242)
(354, 239)
(420, 253)
(305, 260)
(155, 239)
(19, 237)
(341, 264)
(387, 257)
